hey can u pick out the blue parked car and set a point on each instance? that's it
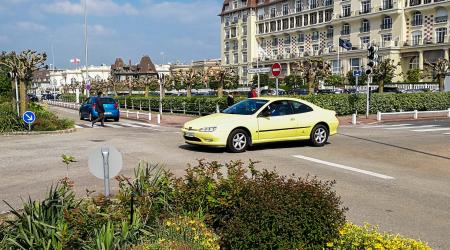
(111, 106)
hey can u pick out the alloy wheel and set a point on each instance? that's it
(239, 141)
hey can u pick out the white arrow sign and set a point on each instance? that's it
(259, 70)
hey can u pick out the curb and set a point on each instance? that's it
(66, 131)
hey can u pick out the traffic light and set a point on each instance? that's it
(11, 75)
(373, 59)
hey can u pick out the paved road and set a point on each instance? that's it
(396, 178)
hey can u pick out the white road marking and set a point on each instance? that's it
(446, 133)
(113, 126)
(146, 124)
(387, 126)
(431, 130)
(412, 127)
(331, 164)
(76, 126)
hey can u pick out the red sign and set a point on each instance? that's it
(276, 69)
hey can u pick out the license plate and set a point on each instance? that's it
(108, 113)
(189, 134)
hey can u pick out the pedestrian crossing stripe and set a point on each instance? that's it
(431, 130)
(117, 125)
(412, 127)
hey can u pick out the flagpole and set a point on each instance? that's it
(338, 59)
(86, 46)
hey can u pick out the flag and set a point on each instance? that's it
(346, 44)
(75, 61)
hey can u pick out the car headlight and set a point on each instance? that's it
(208, 129)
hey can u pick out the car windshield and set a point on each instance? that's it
(245, 107)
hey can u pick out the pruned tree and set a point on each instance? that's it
(439, 70)
(149, 83)
(189, 79)
(384, 72)
(312, 69)
(23, 65)
(220, 77)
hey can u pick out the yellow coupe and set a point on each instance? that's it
(262, 120)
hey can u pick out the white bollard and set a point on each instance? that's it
(159, 119)
(217, 108)
(149, 117)
(448, 113)
(127, 113)
(137, 115)
(354, 119)
(378, 116)
(416, 114)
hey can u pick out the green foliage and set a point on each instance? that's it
(294, 81)
(414, 75)
(261, 210)
(384, 72)
(264, 80)
(362, 80)
(48, 121)
(334, 80)
(5, 83)
(9, 122)
(353, 237)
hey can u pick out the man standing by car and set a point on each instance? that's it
(230, 99)
(100, 110)
(252, 93)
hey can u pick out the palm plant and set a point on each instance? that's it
(23, 65)
(439, 70)
(312, 70)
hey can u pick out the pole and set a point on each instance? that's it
(276, 85)
(369, 81)
(356, 95)
(259, 82)
(86, 45)
(105, 155)
(161, 94)
(338, 61)
(17, 94)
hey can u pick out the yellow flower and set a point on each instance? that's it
(329, 244)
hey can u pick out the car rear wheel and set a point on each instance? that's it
(116, 119)
(319, 135)
(238, 141)
(81, 116)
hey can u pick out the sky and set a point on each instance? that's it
(166, 30)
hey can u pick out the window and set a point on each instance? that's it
(328, 15)
(73, 80)
(279, 25)
(345, 29)
(227, 46)
(301, 37)
(414, 2)
(285, 9)
(298, 21)
(414, 63)
(416, 38)
(354, 64)
(261, 28)
(273, 26)
(298, 6)
(301, 49)
(365, 7)
(313, 18)
(235, 4)
(244, 30)
(315, 47)
(365, 40)
(305, 19)
(346, 10)
(441, 15)
(227, 59)
(275, 41)
(236, 58)
(330, 32)
(280, 108)
(441, 33)
(287, 40)
(386, 39)
(313, 4)
(417, 19)
(387, 23)
(292, 23)
(273, 12)
(387, 4)
(365, 26)
(300, 108)
(320, 16)
(334, 67)
(244, 44)
(244, 57)
(315, 35)
(285, 24)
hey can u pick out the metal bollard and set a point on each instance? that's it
(184, 108)
(149, 117)
(448, 113)
(416, 114)
(354, 119)
(159, 119)
(127, 113)
(125, 103)
(137, 115)
(217, 108)
(132, 104)
(140, 105)
(378, 116)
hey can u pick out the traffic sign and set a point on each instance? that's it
(259, 70)
(105, 163)
(29, 117)
(276, 69)
(357, 73)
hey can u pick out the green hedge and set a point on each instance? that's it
(343, 104)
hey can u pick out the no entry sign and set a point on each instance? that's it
(276, 69)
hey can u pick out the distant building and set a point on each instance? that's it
(121, 71)
(199, 65)
(59, 78)
(41, 81)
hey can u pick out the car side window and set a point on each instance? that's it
(280, 108)
(300, 108)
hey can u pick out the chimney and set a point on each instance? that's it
(129, 62)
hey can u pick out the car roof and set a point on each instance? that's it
(274, 98)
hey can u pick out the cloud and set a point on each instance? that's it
(100, 30)
(94, 7)
(29, 26)
(184, 12)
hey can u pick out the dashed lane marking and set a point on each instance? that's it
(387, 126)
(431, 130)
(412, 127)
(336, 165)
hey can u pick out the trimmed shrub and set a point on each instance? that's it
(263, 210)
(48, 121)
(367, 237)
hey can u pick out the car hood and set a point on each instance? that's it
(214, 120)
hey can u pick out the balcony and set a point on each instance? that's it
(364, 30)
(330, 35)
(345, 32)
(386, 26)
(365, 11)
(440, 19)
(345, 15)
(387, 6)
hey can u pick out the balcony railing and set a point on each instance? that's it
(417, 22)
(441, 19)
(363, 30)
(365, 11)
(387, 6)
(415, 2)
(330, 35)
(345, 32)
(386, 26)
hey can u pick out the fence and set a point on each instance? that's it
(415, 114)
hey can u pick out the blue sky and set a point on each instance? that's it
(169, 30)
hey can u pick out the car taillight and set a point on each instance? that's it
(116, 105)
(94, 106)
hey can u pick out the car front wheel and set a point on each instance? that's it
(319, 135)
(238, 141)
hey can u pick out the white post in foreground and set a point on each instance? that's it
(137, 115)
(448, 113)
(416, 114)
(159, 119)
(217, 108)
(354, 119)
(127, 113)
(378, 116)
(149, 116)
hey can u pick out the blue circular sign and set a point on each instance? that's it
(29, 117)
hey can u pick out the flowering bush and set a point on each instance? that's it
(367, 237)
(183, 233)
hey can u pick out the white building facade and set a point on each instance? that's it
(59, 78)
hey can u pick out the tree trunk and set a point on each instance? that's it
(23, 96)
(13, 95)
(381, 86)
(310, 87)
(146, 90)
(220, 90)
(189, 91)
(163, 90)
(441, 83)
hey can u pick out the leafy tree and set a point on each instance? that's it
(312, 70)
(5, 82)
(362, 80)
(384, 72)
(220, 77)
(23, 64)
(414, 75)
(264, 80)
(189, 79)
(439, 69)
(293, 81)
(335, 80)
